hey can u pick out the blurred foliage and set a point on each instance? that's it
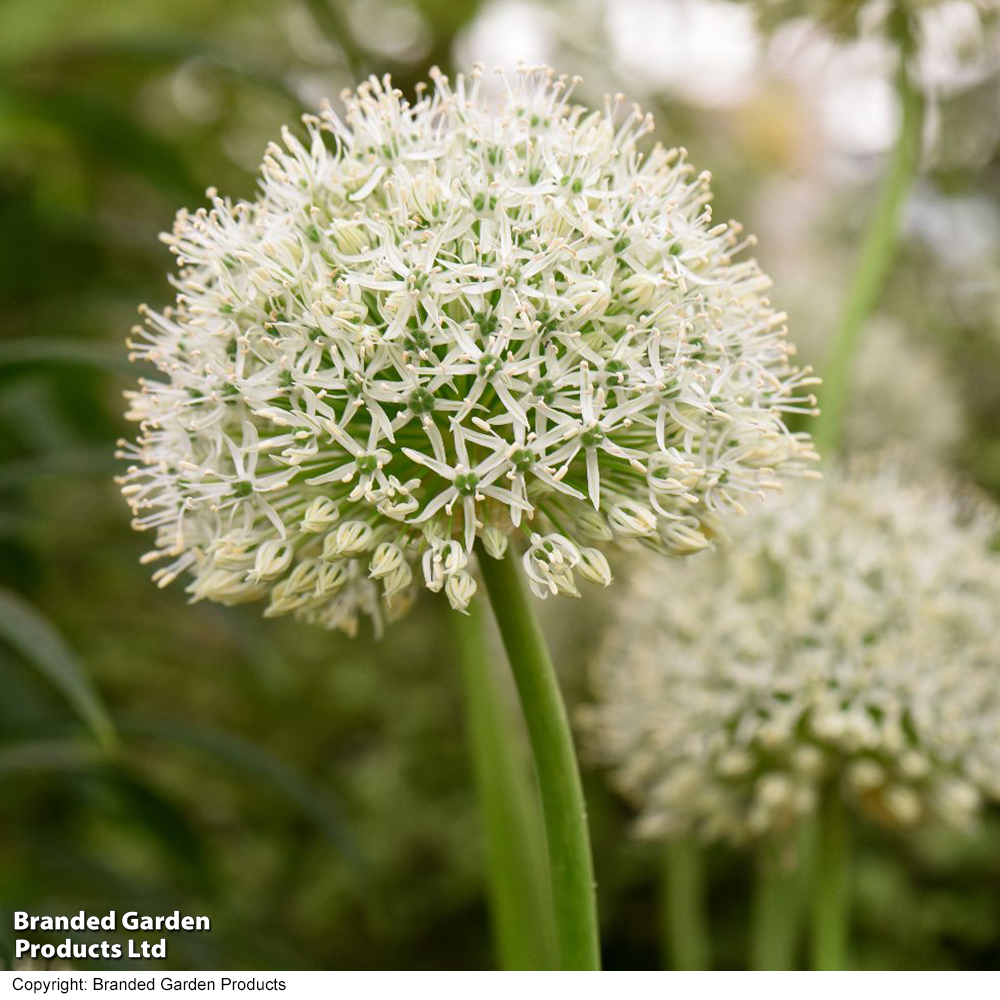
(310, 794)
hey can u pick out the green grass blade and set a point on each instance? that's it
(41, 756)
(33, 352)
(259, 764)
(40, 644)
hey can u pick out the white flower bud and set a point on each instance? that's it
(330, 577)
(903, 804)
(774, 790)
(225, 588)
(232, 554)
(632, 519)
(734, 763)
(866, 774)
(495, 542)
(397, 581)
(460, 589)
(352, 538)
(594, 567)
(958, 798)
(387, 559)
(682, 538)
(807, 760)
(349, 236)
(302, 579)
(914, 765)
(284, 599)
(273, 558)
(594, 526)
(399, 603)
(319, 515)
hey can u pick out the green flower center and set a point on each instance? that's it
(417, 341)
(489, 365)
(545, 390)
(466, 483)
(522, 459)
(421, 401)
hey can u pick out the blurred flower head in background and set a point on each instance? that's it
(902, 396)
(451, 320)
(849, 639)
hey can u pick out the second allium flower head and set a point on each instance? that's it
(847, 642)
(454, 319)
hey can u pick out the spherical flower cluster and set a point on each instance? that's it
(850, 640)
(448, 320)
(890, 408)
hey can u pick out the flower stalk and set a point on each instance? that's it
(778, 898)
(877, 248)
(830, 898)
(520, 907)
(685, 930)
(571, 869)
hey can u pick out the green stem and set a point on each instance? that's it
(830, 897)
(520, 908)
(571, 870)
(777, 909)
(877, 248)
(685, 929)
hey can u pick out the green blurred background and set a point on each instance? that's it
(313, 795)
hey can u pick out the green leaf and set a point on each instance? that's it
(98, 461)
(31, 352)
(108, 134)
(257, 763)
(47, 756)
(133, 798)
(41, 645)
(166, 822)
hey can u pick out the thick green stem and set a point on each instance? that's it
(830, 891)
(520, 907)
(570, 866)
(685, 928)
(777, 910)
(877, 248)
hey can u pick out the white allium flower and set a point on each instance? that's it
(893, 377)
(447, 320)
(850, 638)
(894, 374)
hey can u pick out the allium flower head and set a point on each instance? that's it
(454, 319)
(851, 638)
(887, 409)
